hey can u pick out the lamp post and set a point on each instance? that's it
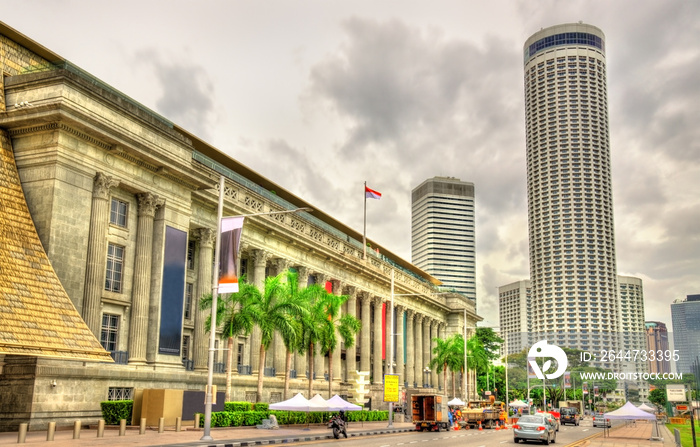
(214, 297)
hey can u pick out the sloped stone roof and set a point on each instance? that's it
(37, 318)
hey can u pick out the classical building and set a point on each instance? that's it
(124, 203)
(570, 215)
(685, 317)
(443, 241)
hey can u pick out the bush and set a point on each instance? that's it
(261, 406)
(238, 406)
(116, 410)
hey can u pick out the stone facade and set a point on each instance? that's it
(106, 180)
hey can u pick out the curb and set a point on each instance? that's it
(289, 440)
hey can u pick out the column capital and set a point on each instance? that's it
(419, 318)
(364, 297)
(410, 313)
(303, 272)
(148, 202)
(102, 184)
(281, 264)
(399, 309)
(260, 256)
(205, 236)
(377, 300)
(352, 291)
(322, 278)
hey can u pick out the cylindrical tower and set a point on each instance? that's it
(570, 214)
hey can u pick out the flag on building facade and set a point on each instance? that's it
(231, 229)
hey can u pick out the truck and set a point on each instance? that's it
(429, 412)
(572, 403)
(481, 412)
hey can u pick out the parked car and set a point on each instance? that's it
(569, 415)
(536, 427)
(600, 421)
(553, 418)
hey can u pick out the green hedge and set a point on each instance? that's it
(238, 406)
(252, 418)
(116, 410)
(261, 406)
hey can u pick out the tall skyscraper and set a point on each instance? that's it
(570, 215)
(515, 315)
(657, 340)
(442, 232)
(685, 316)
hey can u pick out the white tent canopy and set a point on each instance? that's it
(517, 404)
(337, 403)
(320, 401)
(629, 411)
(299, 403)
(456, 401)
(646, 407)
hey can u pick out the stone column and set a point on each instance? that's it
(320, 367)
(365, 348)
(301, 361)
(410, 355)
(142, 278)
(433, 335)
(205, 238)
(259, 259)
(389, 340)
(418, 341)
(337, 364)
(279, 350)
(400, 366)
(377, 348)
(426, 350)
(351, 352)
(96, 257)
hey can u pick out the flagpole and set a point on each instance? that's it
(364, 226)
(214, 295)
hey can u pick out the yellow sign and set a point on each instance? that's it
(391, 387)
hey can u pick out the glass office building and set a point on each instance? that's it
(685, 316)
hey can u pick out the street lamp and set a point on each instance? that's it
(426, 373)
(214, 296)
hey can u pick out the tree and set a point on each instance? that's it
(658, 397)
(234, 318)
(273, 311)
(439, 362)
(326, 313)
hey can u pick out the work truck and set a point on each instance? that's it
(429, 412)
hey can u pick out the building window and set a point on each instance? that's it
(116, 393)
(115, 268)
(188, 301)
(110, 332)
(119, 213)
(185, 347)
(190, 254)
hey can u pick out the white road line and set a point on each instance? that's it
(503, 442)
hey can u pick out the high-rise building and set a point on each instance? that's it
(442, 232)
(685, 316)
(632, 336)
(570, 215)
(657, 340)
(515, 315)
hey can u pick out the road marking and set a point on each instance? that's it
(503, 442)
(585, 429)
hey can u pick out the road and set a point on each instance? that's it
(474, 438)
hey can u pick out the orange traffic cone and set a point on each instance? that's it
(480, 429)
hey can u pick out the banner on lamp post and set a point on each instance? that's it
(231, 229)
(391, 387)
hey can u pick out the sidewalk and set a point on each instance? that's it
(629, 434)
(238, 436)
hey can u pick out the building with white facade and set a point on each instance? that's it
(570, 215)
(514, 313)
(632, 329)
(443, 239)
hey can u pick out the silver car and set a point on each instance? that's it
(534, 428)
(600, 421)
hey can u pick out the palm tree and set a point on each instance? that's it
(299, 300)
(311, 328)
(325, 314)
(455, 359)
(439, 362)
(234, 318)
(479, 359)
(273, 311)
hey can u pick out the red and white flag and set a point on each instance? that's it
(372, 194)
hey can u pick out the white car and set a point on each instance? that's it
(600, 421)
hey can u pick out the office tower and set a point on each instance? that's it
(657, 340)
(514, 313)
(632, 330)
(685, 316)
(570, 215)
(442, 232)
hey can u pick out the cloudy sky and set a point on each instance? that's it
(320, 96)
